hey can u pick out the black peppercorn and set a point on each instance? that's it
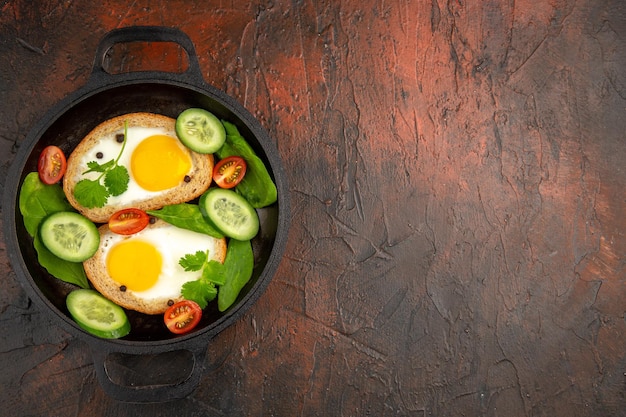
(123, 288)
(99, 155)
(170, 302)
(187, 178)
(119, 137)
(152, 220)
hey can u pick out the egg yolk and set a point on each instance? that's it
(159, 163)
(135, 264)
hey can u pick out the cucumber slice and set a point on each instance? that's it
(97, 315)
(230, 213)
(200, 130)
(70, 236)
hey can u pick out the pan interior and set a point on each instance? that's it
(67, 130)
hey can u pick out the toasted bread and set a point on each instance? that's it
(199, 178)
(96, 270)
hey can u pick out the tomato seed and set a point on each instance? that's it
(55, 164)
(225, 166)
(126, 216)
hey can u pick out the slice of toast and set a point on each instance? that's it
(199, 177)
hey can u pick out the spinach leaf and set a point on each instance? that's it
(38, 200)
(256, 186)
(238, 267)
(72, 272)
(186, 216)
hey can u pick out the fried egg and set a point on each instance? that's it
(155, 159)
(147, 263)
(142, 271)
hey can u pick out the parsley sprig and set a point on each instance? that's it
(112, 181)
(202, 290)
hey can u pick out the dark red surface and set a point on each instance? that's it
(457, 174)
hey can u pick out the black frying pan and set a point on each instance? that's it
(150, 364)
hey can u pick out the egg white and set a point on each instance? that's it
(172, 243)
(110, 149)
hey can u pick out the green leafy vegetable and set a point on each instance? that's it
(116, 180)
(93, 193)
(37, 201)
(230, 277)
(97, 167)
(202, 290)
(256, 186)
(238, 267)
(71, 272)
(194, 262)
(90, 193)
(186, 216)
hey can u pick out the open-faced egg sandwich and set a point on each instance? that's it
(160, 169)
(141, 271)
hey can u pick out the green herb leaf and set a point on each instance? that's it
(90, 193)
(186, 216)
(204, 288)
(200, 291)
(194, 262)
(96, 167)
(214, 272)
(116, 180)
(38, 200)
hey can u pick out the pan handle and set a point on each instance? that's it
(147, 34)
(149, 377)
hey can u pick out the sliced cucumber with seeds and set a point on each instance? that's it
(230, 213)
(97, 315)
(70, 236)
(200, 130)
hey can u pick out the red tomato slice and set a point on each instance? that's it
(182, 316)
(128, 221)
(229, 171)
(52, 165)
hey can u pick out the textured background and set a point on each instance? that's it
(457, 176)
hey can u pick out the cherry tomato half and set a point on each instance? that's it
(128, 221)
(52, 165)
(229, 171)
(182, 316)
